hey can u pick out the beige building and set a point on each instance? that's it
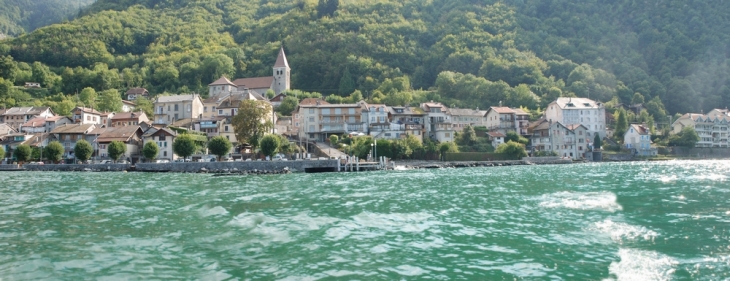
(169, 109)
(17, 116)
(712, 128)
(462, 117)
(438, 122)
(164, 138)
(320, 120)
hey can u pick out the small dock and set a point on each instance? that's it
(354, 164)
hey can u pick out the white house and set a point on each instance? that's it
(586, 112)
(638, 139)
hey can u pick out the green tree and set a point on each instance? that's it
(513, 136)
(447, 147)
(219, 146)
(116, 149)
(150, 150)
(23, 153)
(252, 121)
(637, 99)
(597, 142)
(110, 100)
(288, 105)
(143, 104)
(512, 149)
(621, 124)
(269, 144)
(83, 150)
(333, 140)
(2, 153)
(54, 151)
(184, 145)
(88, 97)
(347, 84)
(686, 138)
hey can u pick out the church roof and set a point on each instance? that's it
(255, 82)
(281, 59)
(222, 81)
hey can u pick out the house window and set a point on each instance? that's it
(325, 111)
(338, 110)
(205, 109)
(168, 107)
(311, 119)
(190, 107)
(226, 128)
(176, 107)
(220, 112)
(311, 111)
(351, 111)
(164, 153)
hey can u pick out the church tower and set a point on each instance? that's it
(282, 74)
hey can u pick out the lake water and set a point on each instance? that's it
(611, 221)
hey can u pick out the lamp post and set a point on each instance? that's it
(376, 150)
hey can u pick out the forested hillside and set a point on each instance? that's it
(465, 53)
(20, 16)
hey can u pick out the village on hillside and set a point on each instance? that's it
(569, 127)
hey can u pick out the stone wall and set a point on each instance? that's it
(293, 166)
(708, 152)
(618, 157)
(78, 167)
(540, 160)
(9, 167)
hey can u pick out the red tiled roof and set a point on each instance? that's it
(255, 82)
(222, 81)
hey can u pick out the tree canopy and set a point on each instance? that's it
(116, 149)
(150, 150)
(83, 150)
(219, 146)
(462, 53)
(54, 151)
(252, 121)
(184, 145)
(23, 152)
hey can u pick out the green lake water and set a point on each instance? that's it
(611, 221)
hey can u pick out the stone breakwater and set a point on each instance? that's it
(466, 164)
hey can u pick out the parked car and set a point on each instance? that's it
(106, 162)
(163, 161)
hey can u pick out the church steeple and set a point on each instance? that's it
(282, 73)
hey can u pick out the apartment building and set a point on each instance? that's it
(15, 117)
(638, 139)
(461, 117)
(129, 119)
(438, 121)
(169, 109)
(589, 113)
(712, 128)
(69, 134)
(321, 119)
(565, 140)
(163, 137)
(44, 124)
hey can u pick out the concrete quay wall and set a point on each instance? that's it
(192, 167)
(78, 167)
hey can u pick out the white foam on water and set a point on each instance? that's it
(641, 265)
(620, 231)
(401, 168)
(407, 270)
(605, 201)
(215, 211)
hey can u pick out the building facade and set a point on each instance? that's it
(586, 112)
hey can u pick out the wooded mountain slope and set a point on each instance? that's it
(465, 53)
(20, 16)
